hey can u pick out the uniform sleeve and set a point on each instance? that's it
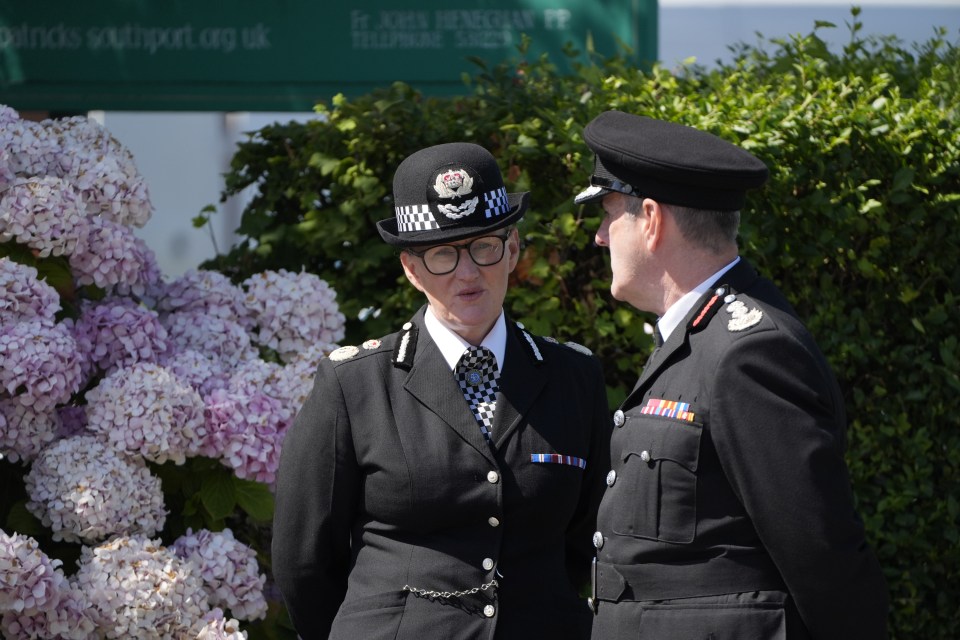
(316, 494)
(778, 425)
(580, 548)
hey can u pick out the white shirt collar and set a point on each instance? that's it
(452, 346)
(679, 309)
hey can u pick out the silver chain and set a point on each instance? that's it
(426, 593)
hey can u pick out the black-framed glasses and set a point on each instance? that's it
(441, 259)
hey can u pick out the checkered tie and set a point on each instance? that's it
(478, 376)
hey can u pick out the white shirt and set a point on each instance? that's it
(452, 346)
(679, 309)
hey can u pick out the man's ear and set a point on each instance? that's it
(411, 265)
(653, 214)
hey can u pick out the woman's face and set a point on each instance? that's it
(469, 299)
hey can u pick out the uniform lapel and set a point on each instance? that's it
(520, 384)
(431, 381)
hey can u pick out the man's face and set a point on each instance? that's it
(622, 233)
(468, 300)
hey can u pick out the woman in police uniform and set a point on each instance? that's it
(422, 494)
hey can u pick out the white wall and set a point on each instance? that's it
(183, 155)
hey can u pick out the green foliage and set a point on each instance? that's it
(859, 224)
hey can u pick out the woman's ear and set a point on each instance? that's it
(411, 265)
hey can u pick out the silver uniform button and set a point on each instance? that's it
(494, 522)
(645, 456)
(489, 611)
(493, 477)
(729, 298)
(597, 539)
(488, 563)
(618, 418)
(611, 477)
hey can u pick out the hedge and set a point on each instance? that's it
(859, 225)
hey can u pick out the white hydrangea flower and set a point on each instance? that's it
(83, 490)
(46, 214)
(69, 619)
(209, 292)
(144, 409)
(23, 296)
(39, 363)
(137, 588)
(215, 627)
(29, 580)
(36, 599)
(24, 432)
(231, 574)
(297, 376)
(222, 339)
(30, 147)
(293, 311)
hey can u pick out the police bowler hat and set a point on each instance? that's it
(669, 162)
(449, 192)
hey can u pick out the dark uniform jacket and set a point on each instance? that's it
(728, 477)
(390, 500)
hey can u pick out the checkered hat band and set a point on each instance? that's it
(496, 202)
(415, 218)
(478, 377)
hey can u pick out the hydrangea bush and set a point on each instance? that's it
(141, 418)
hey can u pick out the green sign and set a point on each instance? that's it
(246, 55)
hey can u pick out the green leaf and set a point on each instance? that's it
(21, 521)
(255, 499)
(218, 493)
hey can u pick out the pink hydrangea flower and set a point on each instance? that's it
(221, 339)
(209, 292)
(144, 409)
(293, 311)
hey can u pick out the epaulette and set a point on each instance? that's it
(578, 347)
(406, 347)
(350, 351)
(531, 344)
(740, 316)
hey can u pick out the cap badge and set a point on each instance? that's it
(455, 183)
(741, 318)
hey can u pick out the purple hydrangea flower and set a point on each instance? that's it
(111, 257)
(29, 580)
(24, 431)
(222, 339)
(246, 432)
(216, 627)
(117, 332)
(39, 364)
(23, 296)
(231, 575)
(46, 214)
(209, 292)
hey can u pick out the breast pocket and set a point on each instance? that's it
(658, 475)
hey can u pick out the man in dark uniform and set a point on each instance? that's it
(442, 482)
(728, 512)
